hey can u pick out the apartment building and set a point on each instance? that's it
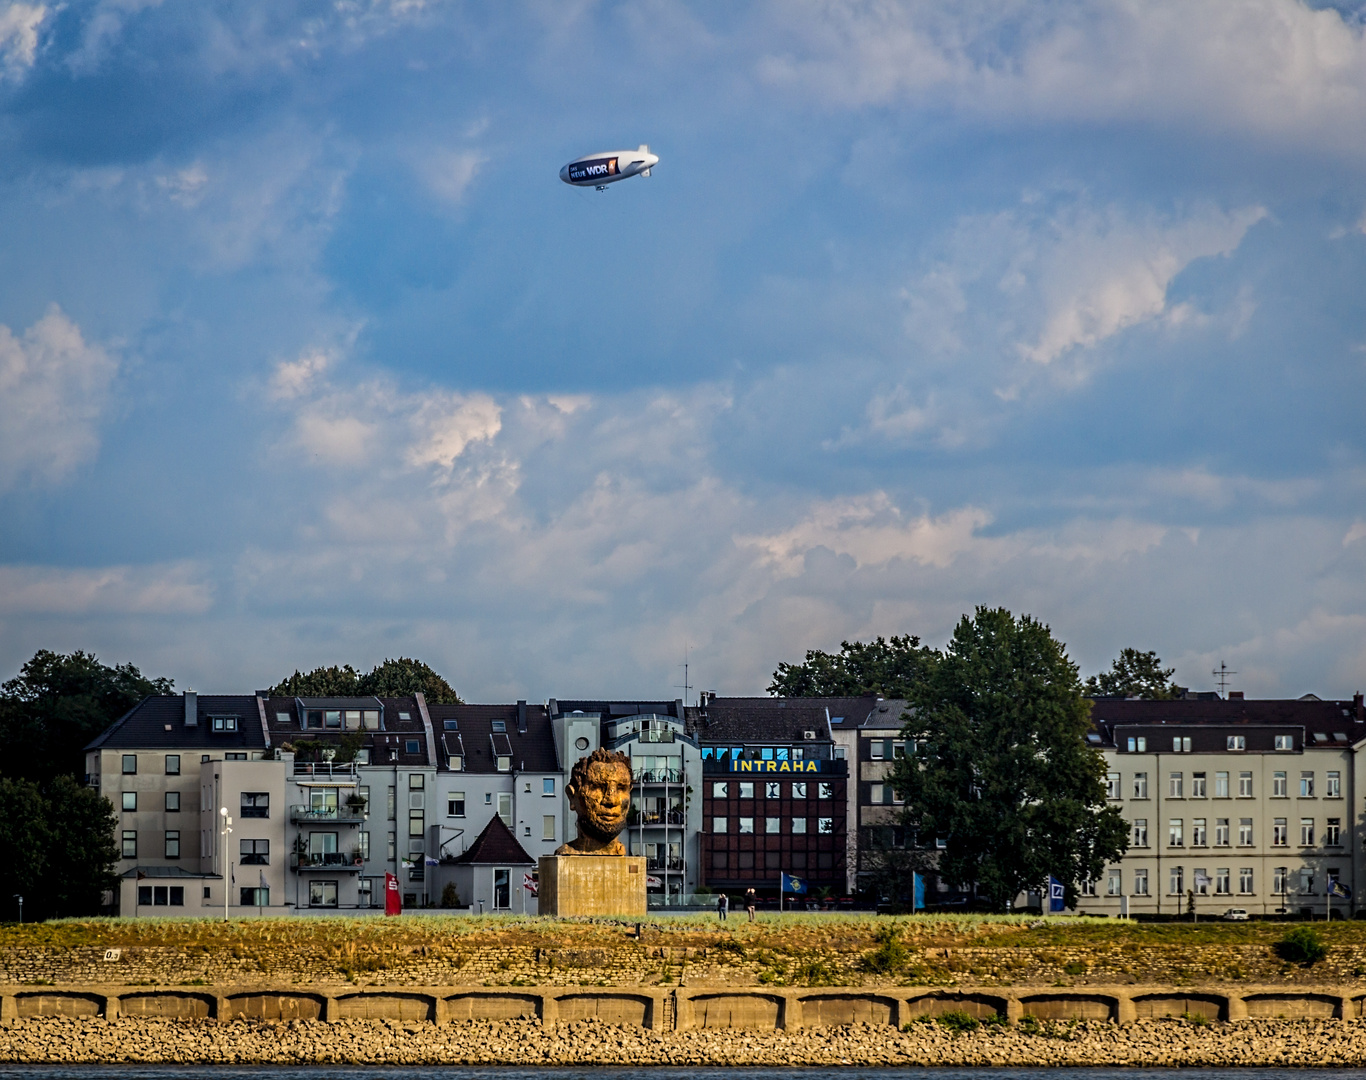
(1240, 803)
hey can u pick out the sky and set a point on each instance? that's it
(307, 356)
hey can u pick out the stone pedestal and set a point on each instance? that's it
(591, 885)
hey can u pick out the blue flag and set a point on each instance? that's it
(793, 884)
(1337, 888)
(1056, 894)
(918, 900)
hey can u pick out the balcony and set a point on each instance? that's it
(324, 772)
(672, 863)
(655, 817)
(303, 862)
(327, 815)
(659, 776)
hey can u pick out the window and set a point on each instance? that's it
(1197, 785)
(412, 746)
(1200, 881)
(172, 764)
(1176, 881)
(1306, 881)
(1285, 742)
(1244, 785)
(455, 804)
(1141, 882)
(322, 894)
(876, 750)
(1280, 880)
(502, 888)
(223, 723)
(230, 756)
(1221, 785)
(393, 846)
(1140, 832)
(548, 787)
(256, 804)
(504, 763)
(839, 754)
(1174, 835)
(1245, 879)
(1306, 785)
(130, 801)
(1198, 838)
(1138, 745)
(719, 789)
(1181, 744)
(1237, 742)
(1278, 832)
(1112, 785)
(130, 764)
(1114, 883)
(1245, 832)
(363, 845)
(415, 823)
(547, 826)
(1140, 785)
(772, 824)
(172, 802)
(747, 789)
(825, 791)
(825, 825)
(746, 825)
(526, 830)
(1332, 786)
(456, 763)
(505, 807)
(1221, 832)
(1088, 888)
(162, 895)
(488, 798)
(393, 802)
(875, 794)
(416, 781)
(1332, 833)
(172, 843)
(798, 826)
(1306, 832)
(719, 825)
(1278, 785)
(499, 726)
(1175, 786)
(771, 790)
(255, 897)
(130, 844)
(253, 852)
(1222, 881)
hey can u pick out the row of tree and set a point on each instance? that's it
(1002, 789)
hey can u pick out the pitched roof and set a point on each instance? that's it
(495, 845)
(532, 750)
(757, 719)
(1324, 722)
(158, 722)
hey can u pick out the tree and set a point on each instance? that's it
(888, 668)
(58, 703)
(393, 678)
(1134, 674)
(1002, 773)
(82, 821)
(320, 682)
(25, 840)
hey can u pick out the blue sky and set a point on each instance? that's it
(307, 356)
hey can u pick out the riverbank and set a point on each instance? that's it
(1174, 1042)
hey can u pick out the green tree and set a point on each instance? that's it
(1134, 674)
(81, 822)
(320, 682)
(394, 678)
(890, 668)
(58, 703)
(1002, 773)
(26, 842)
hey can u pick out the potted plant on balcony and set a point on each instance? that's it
(356, 858)
(355, 803)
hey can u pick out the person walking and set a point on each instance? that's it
(722, 906)
(751, 900)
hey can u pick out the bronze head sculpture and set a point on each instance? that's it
(599, 791)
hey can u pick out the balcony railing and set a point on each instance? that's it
(659, 776)
(336, 861)
(673, 863)
(654, 817)
(325, 770)
(339, 815)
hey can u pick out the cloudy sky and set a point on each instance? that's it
(307, 356)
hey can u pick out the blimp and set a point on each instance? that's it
(599, 170)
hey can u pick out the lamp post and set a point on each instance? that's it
(226, 832)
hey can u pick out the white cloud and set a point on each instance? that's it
(169, 589)
(53, 389)
(1355, 533)
(449, 173)
(19, 25)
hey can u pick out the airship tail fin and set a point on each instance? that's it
(644, 172)
(643, 149)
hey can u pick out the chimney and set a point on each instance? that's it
(1235, 695)
(521, 717)
(191, 709)
(1361, 711)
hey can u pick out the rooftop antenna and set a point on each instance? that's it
(1221, 674)
(685, 685)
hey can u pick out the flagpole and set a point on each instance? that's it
(780, 892)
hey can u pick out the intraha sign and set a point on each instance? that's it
(810, 765)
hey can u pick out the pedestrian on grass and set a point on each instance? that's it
(751, 901)
(722, 906)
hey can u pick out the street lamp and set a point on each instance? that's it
(226, 832)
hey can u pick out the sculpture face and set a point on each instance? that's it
(602, 799)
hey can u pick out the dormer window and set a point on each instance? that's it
(412, 746)
(223, 723)
(451, 725)
(500, 725)
(504, 763)
(456, 763)
(363, 756)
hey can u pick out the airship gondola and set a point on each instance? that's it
(609, 166)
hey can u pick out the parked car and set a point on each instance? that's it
(1235, 914)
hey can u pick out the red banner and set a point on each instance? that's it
(393, 900)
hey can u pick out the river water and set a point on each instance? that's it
(348, 1072)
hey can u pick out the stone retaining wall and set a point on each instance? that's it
(678, 1009)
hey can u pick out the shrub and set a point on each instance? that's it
(958, 1022)
(449, 896)
(890, 956)
(1302, 945)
